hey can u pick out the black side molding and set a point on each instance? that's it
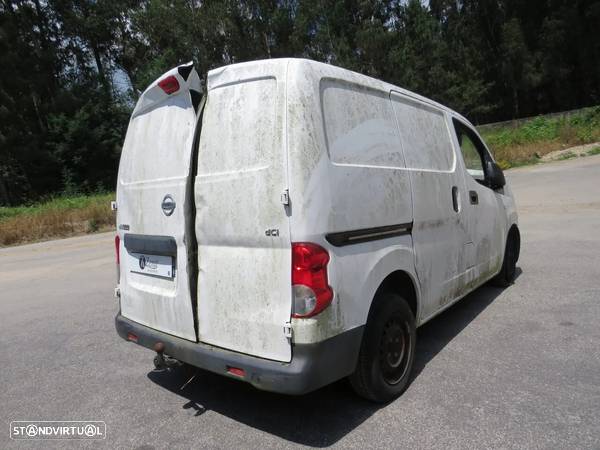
(342, 238)
(153, 245)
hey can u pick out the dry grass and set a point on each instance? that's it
(60, 217)
(529, 153)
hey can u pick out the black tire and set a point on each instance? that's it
(507, 273)
(387, 351)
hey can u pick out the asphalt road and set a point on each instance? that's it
(514, 368)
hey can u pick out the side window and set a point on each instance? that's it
(425, 137)
(359, 125)
(472, 151)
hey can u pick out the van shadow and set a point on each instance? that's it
(438, 332)
(323, 417)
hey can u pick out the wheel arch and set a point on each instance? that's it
(402, 283)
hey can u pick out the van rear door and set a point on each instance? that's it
(153, 207)
(242, 225)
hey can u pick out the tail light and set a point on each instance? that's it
(310, 287)
(169, 84)
(118, 255)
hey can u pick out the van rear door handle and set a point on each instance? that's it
(473, 197)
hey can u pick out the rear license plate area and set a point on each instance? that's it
(151, 265)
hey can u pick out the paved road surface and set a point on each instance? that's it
(518, 368)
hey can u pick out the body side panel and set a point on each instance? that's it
(328, 196)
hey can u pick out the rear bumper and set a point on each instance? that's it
(312, 365)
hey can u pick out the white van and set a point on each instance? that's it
(294, 224)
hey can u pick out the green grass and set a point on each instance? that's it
(62, 202)
(527, 142)
(594, 151)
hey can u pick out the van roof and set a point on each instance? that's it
(266, 67)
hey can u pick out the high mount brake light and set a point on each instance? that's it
(169, 84)
(310, 287)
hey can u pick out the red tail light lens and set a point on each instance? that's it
(310, 287)
(169, 84)
(117, 246)
(118, 256)
(236, 371)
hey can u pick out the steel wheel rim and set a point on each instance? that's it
(394, 350)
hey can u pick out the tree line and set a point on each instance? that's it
(71, 70)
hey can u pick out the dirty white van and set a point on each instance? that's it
(295, 223)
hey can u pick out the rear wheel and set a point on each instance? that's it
(507, 274)
(387, 350)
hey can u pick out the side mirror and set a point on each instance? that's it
(494, 175)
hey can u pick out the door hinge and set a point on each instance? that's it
(287, 330)
(285, 197)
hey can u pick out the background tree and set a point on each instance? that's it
(72, 69)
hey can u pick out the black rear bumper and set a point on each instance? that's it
(312, 365)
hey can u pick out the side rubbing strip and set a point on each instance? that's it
(368, 234)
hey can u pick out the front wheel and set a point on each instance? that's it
(387, 351)
(508, 272)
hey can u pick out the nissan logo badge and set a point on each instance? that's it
(168, 205)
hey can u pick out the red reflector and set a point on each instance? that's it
(236, 371)
(117, 248)
(309, 268)
(169, 84)
(132, 337)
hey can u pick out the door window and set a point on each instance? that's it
(472, 151)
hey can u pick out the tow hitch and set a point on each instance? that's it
(162, 361)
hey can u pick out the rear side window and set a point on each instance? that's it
(424, 135)
(360, 126)
(239, 127)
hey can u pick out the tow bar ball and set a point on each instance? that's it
(161, 361)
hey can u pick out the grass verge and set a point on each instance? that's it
(58, 217)
(525, 143)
